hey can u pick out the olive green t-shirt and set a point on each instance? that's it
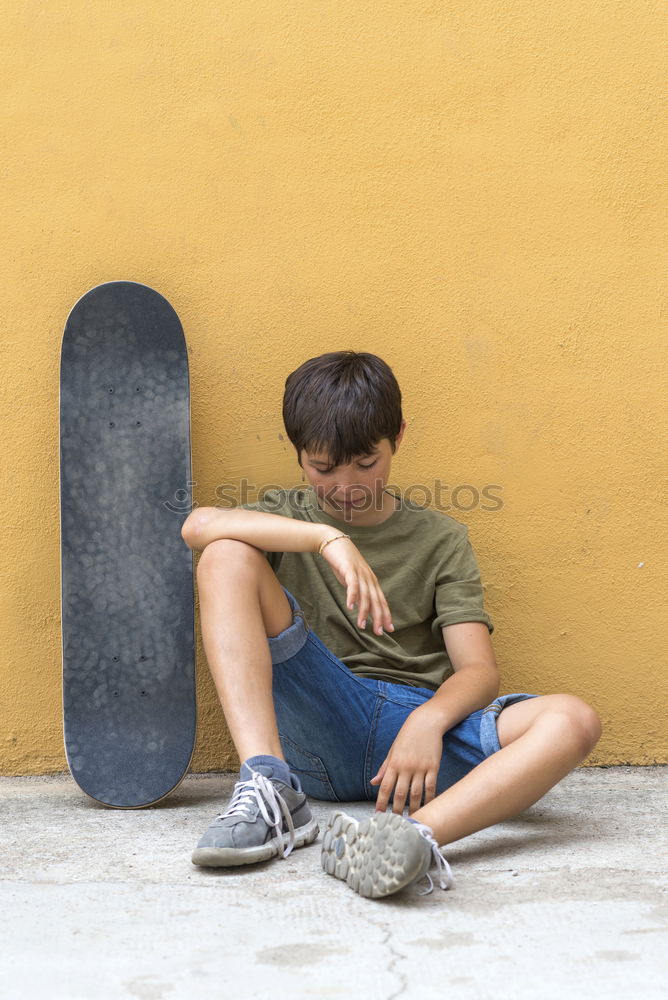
(425, 567)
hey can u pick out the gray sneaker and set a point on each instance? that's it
(265, 817)
(382, 854)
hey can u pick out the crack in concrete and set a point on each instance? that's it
(395, 958)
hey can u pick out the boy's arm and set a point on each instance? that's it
(412, 764)
(475, 681)
(269, 532)
(275, 533)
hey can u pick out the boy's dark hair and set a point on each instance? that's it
(342, 404)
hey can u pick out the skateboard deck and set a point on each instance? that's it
(126, 574)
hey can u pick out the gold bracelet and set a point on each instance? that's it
(328, 540)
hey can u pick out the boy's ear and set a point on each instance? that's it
(398, 439)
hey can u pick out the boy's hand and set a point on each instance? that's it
(353, 571)
(411, 767)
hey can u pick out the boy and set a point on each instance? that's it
(405, 711)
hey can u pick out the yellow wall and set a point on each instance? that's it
(472, 191)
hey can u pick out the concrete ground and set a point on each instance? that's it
(567, 901)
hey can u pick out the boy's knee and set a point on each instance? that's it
(583, 722)
(591, 723)
(228, 555)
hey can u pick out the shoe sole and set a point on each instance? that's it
(231, 857)
(377, 856)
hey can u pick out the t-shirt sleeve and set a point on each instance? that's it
(459, 596)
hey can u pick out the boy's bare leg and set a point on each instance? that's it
(542, 739)
(241, 603)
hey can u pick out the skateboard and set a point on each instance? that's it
(127, 598)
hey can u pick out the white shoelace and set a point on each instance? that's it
(445, 878)
(273, 808)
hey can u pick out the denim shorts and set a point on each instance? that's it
(336, 728)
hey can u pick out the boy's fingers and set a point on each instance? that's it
(417, 784)
(400, 793)
(363, 606)
(380, 613)
(381, 773)
(377, 613)
(385, 791)
(367, 594)
(371, 603)
(430, 787)
(387, 616)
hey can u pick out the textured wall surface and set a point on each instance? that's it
(473, 191)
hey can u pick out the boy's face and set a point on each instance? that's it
(353, 493)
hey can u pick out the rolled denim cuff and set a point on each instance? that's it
(489, 737)
(290, 640)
